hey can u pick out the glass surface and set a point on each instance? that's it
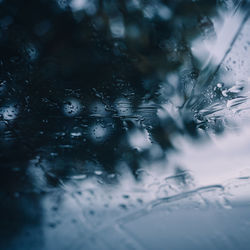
(124, 124)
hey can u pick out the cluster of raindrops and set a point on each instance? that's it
(72, 107)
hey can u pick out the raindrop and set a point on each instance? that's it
(9, 113)
(99, 132)
(72, 107)
(75, 134)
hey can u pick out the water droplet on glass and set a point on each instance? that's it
(72, 107)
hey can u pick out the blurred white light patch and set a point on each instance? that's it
(87, 5)
(99, 132)
(217, 160)
(133, 4)
(78, 4)
(75, 134)
(72, 107)
(117, 27)
(211, 51)
(9, 112)
(164, 12)
(139, 139)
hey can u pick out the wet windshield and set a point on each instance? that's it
(120, 119)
